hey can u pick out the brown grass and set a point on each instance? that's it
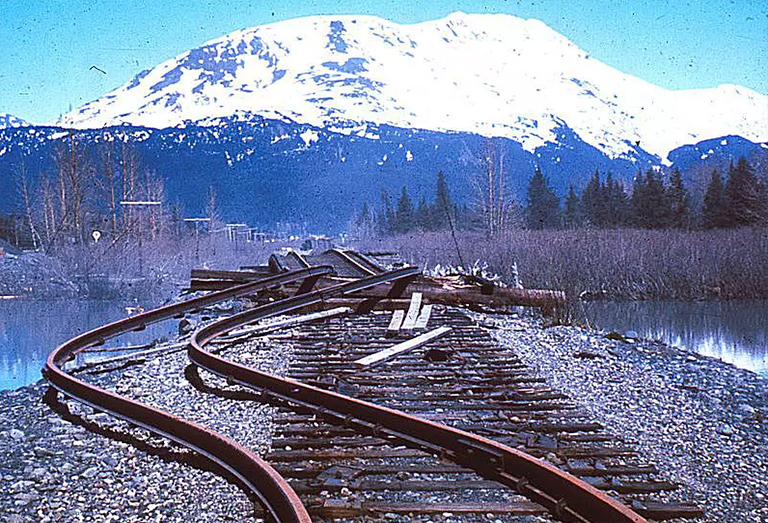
(633, 264)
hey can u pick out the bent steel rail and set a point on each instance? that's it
(259, 477)
(565, 496)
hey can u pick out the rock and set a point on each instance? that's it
(90, 472)
(586, 355)
(631, 334)
(16, 434)
(724, 429)
(186, 325)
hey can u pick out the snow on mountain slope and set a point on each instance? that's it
(494, 75)
(9, 120)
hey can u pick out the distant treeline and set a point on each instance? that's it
(652, 202)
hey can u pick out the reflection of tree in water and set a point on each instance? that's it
(733, 331)
(30, 330)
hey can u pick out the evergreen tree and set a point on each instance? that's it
(385, 220)
(574, 213)
(364, 216)
(745, 195)
(543, 203)
(423, 218)
(613, 204)
(637, 201)
(618, 204)
(404, 216)
(442, 205)
(650, 203)
(679, 204)
(714, 212)
(592, 202)
(363, 225)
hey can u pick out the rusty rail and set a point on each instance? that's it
(565, 496)
(258, 476)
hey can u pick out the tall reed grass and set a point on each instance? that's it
(629, 263)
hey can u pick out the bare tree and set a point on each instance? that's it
(489, 186)
(30, 219)
(129, 167)
(74, 180)
(108, 181)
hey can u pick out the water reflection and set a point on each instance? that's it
(30, 330)
(733, 331)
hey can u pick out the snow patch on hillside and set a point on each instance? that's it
(493, 75)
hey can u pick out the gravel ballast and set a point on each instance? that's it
(701, 421)
(54, 470)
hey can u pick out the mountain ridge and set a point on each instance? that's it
(345, 72)
(268, 172)
(9, 120)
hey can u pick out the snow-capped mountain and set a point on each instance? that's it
(9, 120)
(492, 75)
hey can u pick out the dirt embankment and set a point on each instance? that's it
(34, 275)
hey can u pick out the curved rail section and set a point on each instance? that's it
(565, 496)
(258, 476)
(364, 269)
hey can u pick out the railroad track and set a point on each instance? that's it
(401, 421)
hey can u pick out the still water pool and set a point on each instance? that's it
(734, 331)
(30, 330)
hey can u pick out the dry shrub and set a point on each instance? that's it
(627, 263)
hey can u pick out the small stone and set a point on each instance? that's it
(16, 434)
(724, 429)
(746, 409)
(90, 472)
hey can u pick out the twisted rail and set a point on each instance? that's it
(565, 496)
(258, 476)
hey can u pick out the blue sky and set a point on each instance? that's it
(48, 46)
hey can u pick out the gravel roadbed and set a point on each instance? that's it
(54, 470)
(703, 422)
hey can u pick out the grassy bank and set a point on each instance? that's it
(631, 264)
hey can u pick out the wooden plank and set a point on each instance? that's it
(426, 311)
(396, 321)
(245, 332)
(401, 348)
(661, 510)
(413, 312)
(341, 454)
(338, 508)
(210, 274)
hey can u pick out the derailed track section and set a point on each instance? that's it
(563, 495)
(464, 379)
(262, 481)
